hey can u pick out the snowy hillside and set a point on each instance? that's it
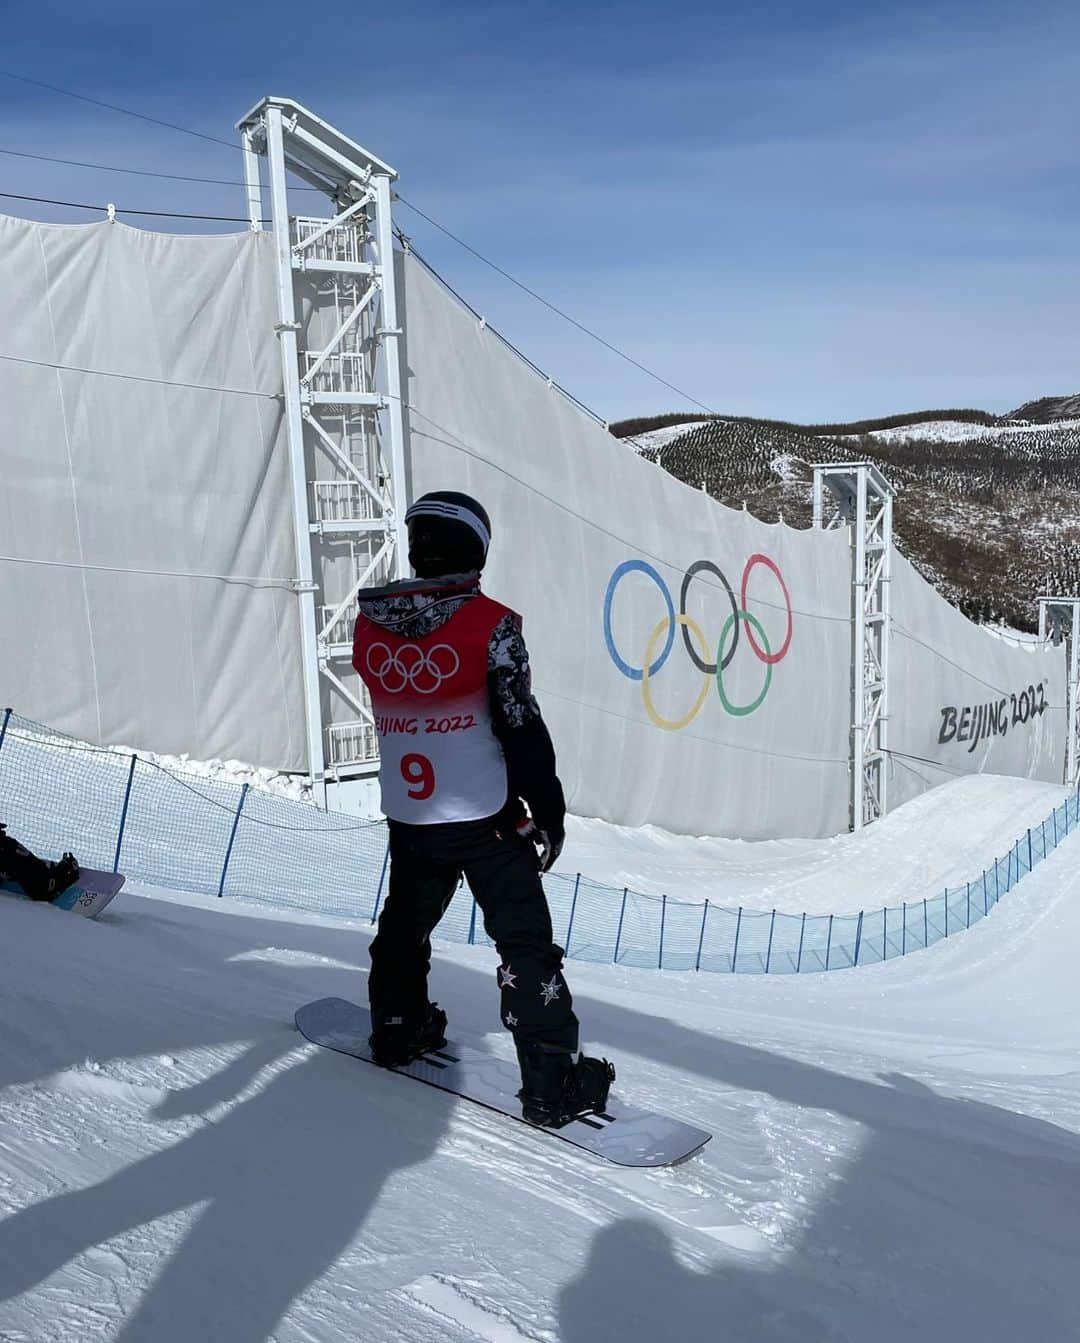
(958, 431)
(988, 509)
(896, 1148)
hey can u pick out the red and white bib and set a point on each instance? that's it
(441, 760)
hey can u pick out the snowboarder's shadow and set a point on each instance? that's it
(633, 1287)
(280, 1176)
(278, 1186)
(938, 1207)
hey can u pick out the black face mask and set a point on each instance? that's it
(440, 546)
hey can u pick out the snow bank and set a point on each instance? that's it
(942, 838)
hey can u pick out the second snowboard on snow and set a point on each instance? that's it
(87, 896)
(622, 1134)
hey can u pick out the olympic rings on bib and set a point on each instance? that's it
(727, 645)
(412, 666)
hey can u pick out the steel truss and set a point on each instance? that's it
(1059, 620)
(343, 409)
(857, 495)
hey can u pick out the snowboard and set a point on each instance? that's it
(623, 1134)
(87, 896)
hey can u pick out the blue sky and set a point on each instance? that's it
(805, 210)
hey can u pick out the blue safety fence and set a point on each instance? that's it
(178, 829)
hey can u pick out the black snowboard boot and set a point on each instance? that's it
(396, 1041)
(557, 1088)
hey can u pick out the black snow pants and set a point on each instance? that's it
(426, 864)
(19, 864)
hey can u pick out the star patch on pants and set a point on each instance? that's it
(550, 990)
(507, 978)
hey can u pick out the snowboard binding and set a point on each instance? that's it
(398, 1040)
(557, 1088)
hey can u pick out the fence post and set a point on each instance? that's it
(768, 953)
(618, 935)
(968, 924)
(3, 727)
(925, 925)
(123, 814)
(573, 906)
(735, 952)
(858, 938)
(985, 893)
(802, 934)
(232, 840)
(472, 923)
(701, 935)
(1054, 814)
(828, 943)
(382, 879)
(946, 911)
(663, 918)
(884, 934)
(1029, 850)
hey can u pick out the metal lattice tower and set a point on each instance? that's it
(1059, 619)
(343, 407)
(861, 498)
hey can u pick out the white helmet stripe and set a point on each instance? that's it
(439, 508)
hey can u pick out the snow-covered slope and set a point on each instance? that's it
(961, 431)
(943, 838)
(896, 1151)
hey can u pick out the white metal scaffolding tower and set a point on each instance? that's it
(861, 498)
(342, 404)
(1059, 619)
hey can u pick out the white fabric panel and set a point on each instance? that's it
(145, 522)
(965, 701)
(569, 504)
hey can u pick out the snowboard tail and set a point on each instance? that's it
(623, 1133)
(87, 896)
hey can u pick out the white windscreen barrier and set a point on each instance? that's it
(633, 588)
(965, 701)
(145, 521)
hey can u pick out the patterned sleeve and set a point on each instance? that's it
(509, 675)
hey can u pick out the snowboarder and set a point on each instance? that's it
(463, 746)
(40, 880)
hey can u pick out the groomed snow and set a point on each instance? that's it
(943, 838)
(896, 1151)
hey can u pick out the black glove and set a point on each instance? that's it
(549, 843)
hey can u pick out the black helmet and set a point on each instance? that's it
(449, 533)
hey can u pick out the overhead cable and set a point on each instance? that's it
(139, 172)
(114, 107)
(155, 214)
(499, 270)
(553, 307)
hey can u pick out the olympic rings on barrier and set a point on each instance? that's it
(709, 668)
(741, 711)
(629, 567)
(672, 724)
(771, 658)
(654, 661)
